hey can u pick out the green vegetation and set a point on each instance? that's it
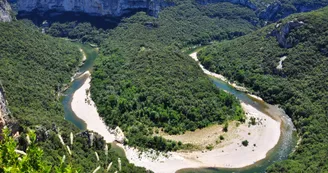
(209, 147)
(226, 127)
(141, 80)
(253, 121)
(221, 137)
(17, 161)
(34, 68)
(80, 31)
(300, 86)
(245, 143)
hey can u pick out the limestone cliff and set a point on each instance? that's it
(93, 7)
(5, 11)
(282, 31)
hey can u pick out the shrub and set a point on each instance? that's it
(245, 143)
(210, 147)
(221, 137)
(226, 126)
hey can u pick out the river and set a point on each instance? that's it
(91, 54)
(280, 152)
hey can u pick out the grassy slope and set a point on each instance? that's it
(143, 80)
(300, 87)
(32, 67)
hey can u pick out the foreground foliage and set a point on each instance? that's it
(16, 161)
(300, 86)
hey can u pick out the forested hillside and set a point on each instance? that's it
(142, 80)
(33, 70)
(273, 10)
(299, 83)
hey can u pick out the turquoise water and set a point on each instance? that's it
(280, 152)
(91, 54)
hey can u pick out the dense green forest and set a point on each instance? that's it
(299, 85)
(84, 32)
(34, 68)
(142, 80)
(187, 22)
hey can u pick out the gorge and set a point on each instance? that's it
(139, 86)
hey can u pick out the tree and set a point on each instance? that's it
(17, 161)
(225, 127)
(253, 121)
(245, 143)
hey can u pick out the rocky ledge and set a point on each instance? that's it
(5, 11)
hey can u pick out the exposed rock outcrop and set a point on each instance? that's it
(271, 11)
(4, 111)
(119, 135)
(93, 7)
(282, 30)
(5, 11)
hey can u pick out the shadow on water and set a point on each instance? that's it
(91, 54)
(280, 152)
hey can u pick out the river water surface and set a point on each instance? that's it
(280, 152)
(78, 81)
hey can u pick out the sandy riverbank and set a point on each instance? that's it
(221, 77)
(84, 108)
(228, 154)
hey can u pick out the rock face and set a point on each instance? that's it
(5, 11)
(282, 30)
(3, 108)
(119, 135)
(93, 7)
